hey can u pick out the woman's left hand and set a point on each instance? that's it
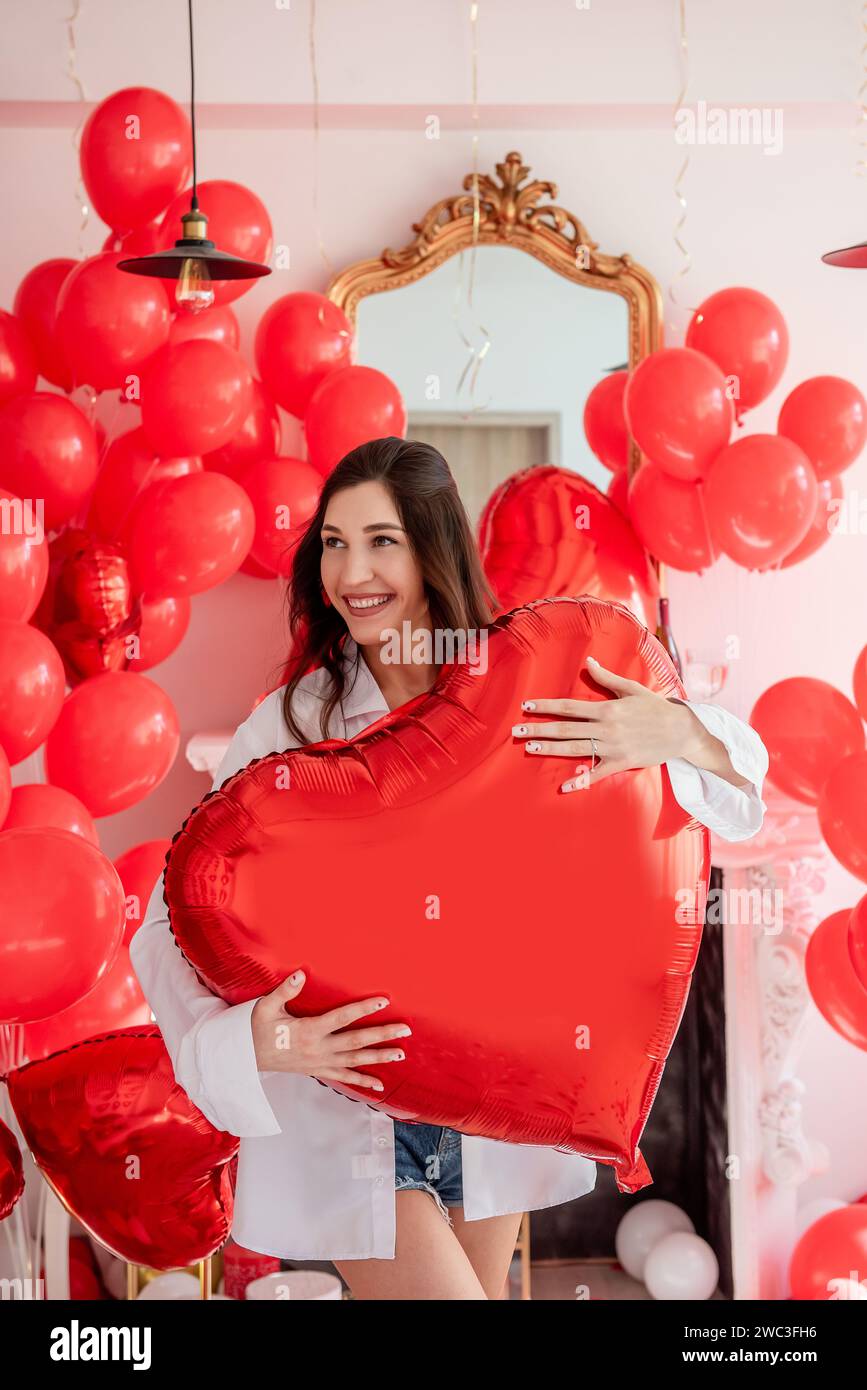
(638, 729)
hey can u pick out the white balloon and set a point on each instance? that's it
(681, 1266)
(643, 1226)
(820, 1206)
(176, 1283)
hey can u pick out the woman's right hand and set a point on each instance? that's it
(314, 1046)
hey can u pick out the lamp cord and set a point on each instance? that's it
(194, 201)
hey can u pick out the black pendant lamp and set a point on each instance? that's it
(195, 262)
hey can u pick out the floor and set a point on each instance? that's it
(599, 1281)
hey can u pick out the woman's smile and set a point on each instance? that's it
(362, 603)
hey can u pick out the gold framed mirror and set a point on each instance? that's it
(508, 210)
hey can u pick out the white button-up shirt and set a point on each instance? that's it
(316, 1169)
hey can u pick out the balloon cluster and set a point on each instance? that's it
(765, 500)
(105, 541)
(815, 739)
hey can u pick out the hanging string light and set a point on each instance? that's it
(855, 257)
(195, 262)
(476, 355)
(314, 77)
(683, 59)
(72, 74)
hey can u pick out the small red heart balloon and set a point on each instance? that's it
(549, 531)
(88, 609)
(125, 1150)
(539, 944)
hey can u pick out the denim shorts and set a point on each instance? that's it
(428, 1157)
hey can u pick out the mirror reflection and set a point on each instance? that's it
(495, 355)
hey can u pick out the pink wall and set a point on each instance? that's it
(594, 90)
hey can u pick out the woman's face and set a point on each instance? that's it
(368, 570)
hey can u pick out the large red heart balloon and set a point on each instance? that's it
(125, 1150)
(539, 944)
(548, 531)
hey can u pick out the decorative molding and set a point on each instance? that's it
(788, 1156)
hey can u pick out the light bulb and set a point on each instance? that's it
(194, 290)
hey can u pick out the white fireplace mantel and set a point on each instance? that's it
(778, 877)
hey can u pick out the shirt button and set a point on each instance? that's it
(382, 1141)
(379, 1181)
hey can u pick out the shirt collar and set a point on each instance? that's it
(364, 695)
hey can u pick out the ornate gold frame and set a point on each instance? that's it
(509, 214)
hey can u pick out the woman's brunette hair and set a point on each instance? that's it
(441, 540)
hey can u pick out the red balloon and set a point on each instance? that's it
(257, 438)
(195, 396)
(48, 450)
(136, 153)
(761, 496)
(83, 1112)
(671, 519)
(857, 940)
(617, 491)
(189, 534)
(36, 306)
(141, 241)
(826, 417)
(605, 422)
(139, 868)
(85, 1282)
(547, 532)
(217, 323)
(31, 688)
(130, 465)
(61, 921)
(17, 359)
(11, 1171)
(300, 339)
(500, 1045)
(36, 805)
(115, 741)
(238, 223)
(678, 411)
(164, 622)
(255, 570)
(831, 979)
(859, 683)
(807, 726)
(351, 406)
(744, 333)
(843, 813)
(829, 495)
(116, 1002)
(828, 1252)
(23, 558)
(285, 494)
(109, 323)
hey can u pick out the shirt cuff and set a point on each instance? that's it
(232, 1096)
(733, 813)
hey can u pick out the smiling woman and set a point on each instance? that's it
(401, 1214)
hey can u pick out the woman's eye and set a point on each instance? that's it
(331, 542)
